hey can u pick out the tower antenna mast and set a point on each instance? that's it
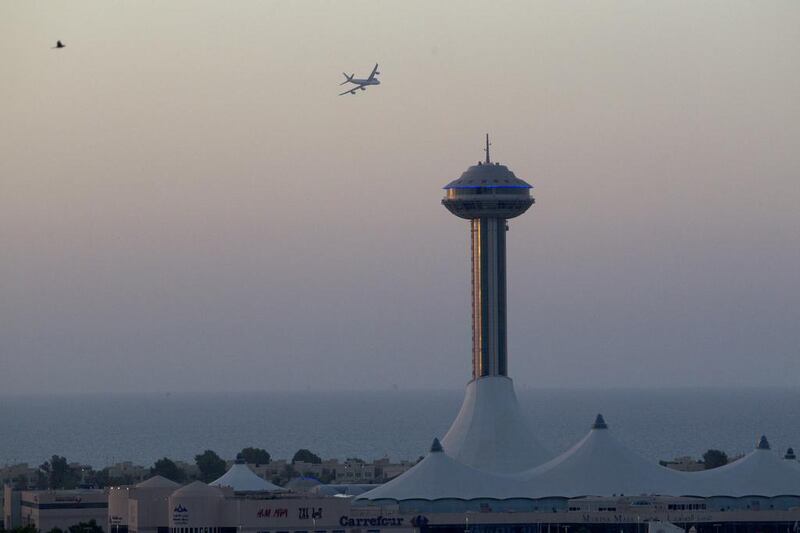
(488, 144)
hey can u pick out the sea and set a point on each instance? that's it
(100, 430)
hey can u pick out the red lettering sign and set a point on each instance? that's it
(269, 512)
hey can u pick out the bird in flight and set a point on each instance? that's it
(361, 83)
(59, 44)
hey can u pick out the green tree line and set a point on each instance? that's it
(57, 473)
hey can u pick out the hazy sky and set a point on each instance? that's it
(186, 203)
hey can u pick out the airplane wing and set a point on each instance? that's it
(354, 89)
(374, 71)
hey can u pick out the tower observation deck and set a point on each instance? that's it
(487, 195)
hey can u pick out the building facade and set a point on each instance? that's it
(49, 509)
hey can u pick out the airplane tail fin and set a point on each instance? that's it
(347, 78)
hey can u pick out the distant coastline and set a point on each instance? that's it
(102, 429)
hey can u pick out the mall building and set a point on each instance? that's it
(49, 509)
(242, 502)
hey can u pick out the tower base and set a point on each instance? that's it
(490, 432)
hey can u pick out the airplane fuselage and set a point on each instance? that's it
(373, 81)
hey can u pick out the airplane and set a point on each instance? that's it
(361, 83)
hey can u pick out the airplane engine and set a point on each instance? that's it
(363, 88)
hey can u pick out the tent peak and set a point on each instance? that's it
(436, 447)
(599, 422)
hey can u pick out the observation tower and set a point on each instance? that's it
(490, 432)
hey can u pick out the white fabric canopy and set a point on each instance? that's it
(761, 472)
(439, 476)
(490, 432)
(241, 479)
(599, 465)
(197, 489)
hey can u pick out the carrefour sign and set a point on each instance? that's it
(377, 521)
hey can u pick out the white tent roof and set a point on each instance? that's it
(197, 489)
(599, 465)
(241, 479)
(490, 432)
(439, 476)
(761, 472)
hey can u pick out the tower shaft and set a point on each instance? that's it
(489, 354)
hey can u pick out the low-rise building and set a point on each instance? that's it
(15, 474)
(333, 470)
(353, 471)
(685, 464)
(200, 508)
(269, 471)
(11, 507)
(128, 470)
(48, 509)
